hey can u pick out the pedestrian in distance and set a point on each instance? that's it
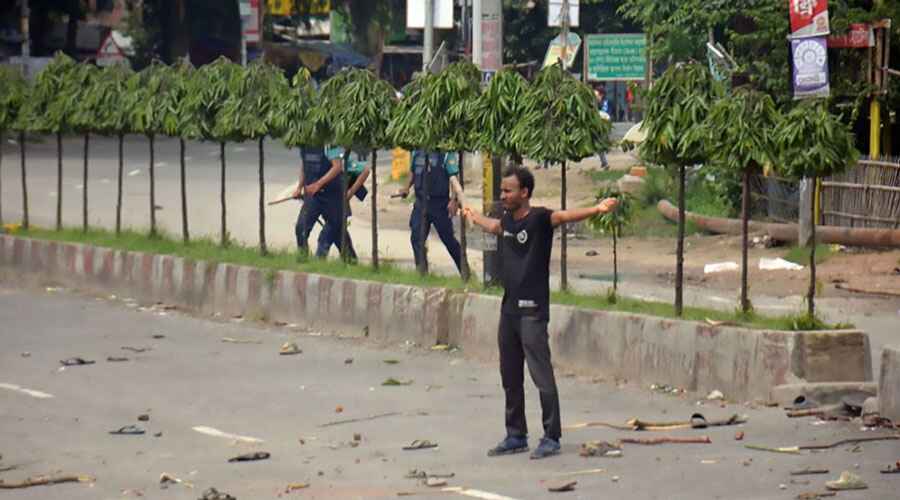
(526, 241)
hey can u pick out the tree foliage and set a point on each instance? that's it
(254, 98)
(109, 100)
(813, 142)
(211, 87)
(355, 107)
(559, 120)
(498, 110)
(677, 107)
(740, 130)
(181, 115)
(148, 91)
(409, 127)
(13, 95)
(294, 123)
(86, 110)
(51, 102)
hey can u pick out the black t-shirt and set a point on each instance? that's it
(525, 252)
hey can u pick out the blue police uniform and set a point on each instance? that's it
(354, 169)
(437, 185)
(326, 203)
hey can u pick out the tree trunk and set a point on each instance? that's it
(223, 231)
(375, 208)
(119, 185)
(152, 186)
(345, 205)
(262, 199)
(423, 223)
(1, 179)
(811, 296)
(564, 243)
(84, 182)
(24, 182)
(184, 215)
(59, 175)
(464, 262)
(679, 248)
(615, 235)
(745, 218)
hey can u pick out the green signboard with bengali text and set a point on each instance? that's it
(616, 57)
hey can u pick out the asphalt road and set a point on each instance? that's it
(191, 378)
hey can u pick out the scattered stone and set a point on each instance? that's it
(715, 395)
(435, 482)
(615, 479)
(26, 354)
(289, 348)
(338, 409)
(591, 253)
(348, 361)
(561, 486)
(739, 436)
(847, 481)
(214, 494)
(144, 417)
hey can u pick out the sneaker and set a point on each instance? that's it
(546, 448)
(509, 446)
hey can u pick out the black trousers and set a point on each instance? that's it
(521, 339)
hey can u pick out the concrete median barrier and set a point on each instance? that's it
(742, 363)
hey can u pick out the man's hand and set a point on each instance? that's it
(402, 193)
(453, 207)
(298, 193)
(607, 205)
(313, 188)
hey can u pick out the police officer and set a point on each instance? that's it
(357, 172)
(435, 187)
(320, 189)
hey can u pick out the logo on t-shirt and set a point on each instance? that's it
(522, 237)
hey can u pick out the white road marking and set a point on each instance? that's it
(134, 172)
(29, 392)
(476, 493)
(209, 431)
(160, 164)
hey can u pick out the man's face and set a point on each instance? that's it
(512, 195)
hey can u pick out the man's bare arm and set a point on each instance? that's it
(579, 214)
(360, 180)
(334, 171)
(488, 224)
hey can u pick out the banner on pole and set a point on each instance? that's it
(810, 62)
(554, 51)
(809, 18)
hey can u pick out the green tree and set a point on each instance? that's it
(148, 90)
(49, 110)
(110, 98)
(414, 126)
(211, 89)
(359, 119)
(674, 122)
(613, 222)
(741, 133)
(458, 88)
(497, 111)
(180, 119)
(559, 123)
(85, 119)
(255, 96)
(13, 93)
(813, 143)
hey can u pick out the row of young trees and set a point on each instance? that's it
(551, 119)
(691, 119)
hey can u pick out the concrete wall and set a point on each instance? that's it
(744, 364)
(889, 383)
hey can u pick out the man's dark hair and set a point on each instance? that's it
(523, 175)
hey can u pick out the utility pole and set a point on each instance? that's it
(243, 38)
(428, 45)
(564, 245)
(26, 38)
